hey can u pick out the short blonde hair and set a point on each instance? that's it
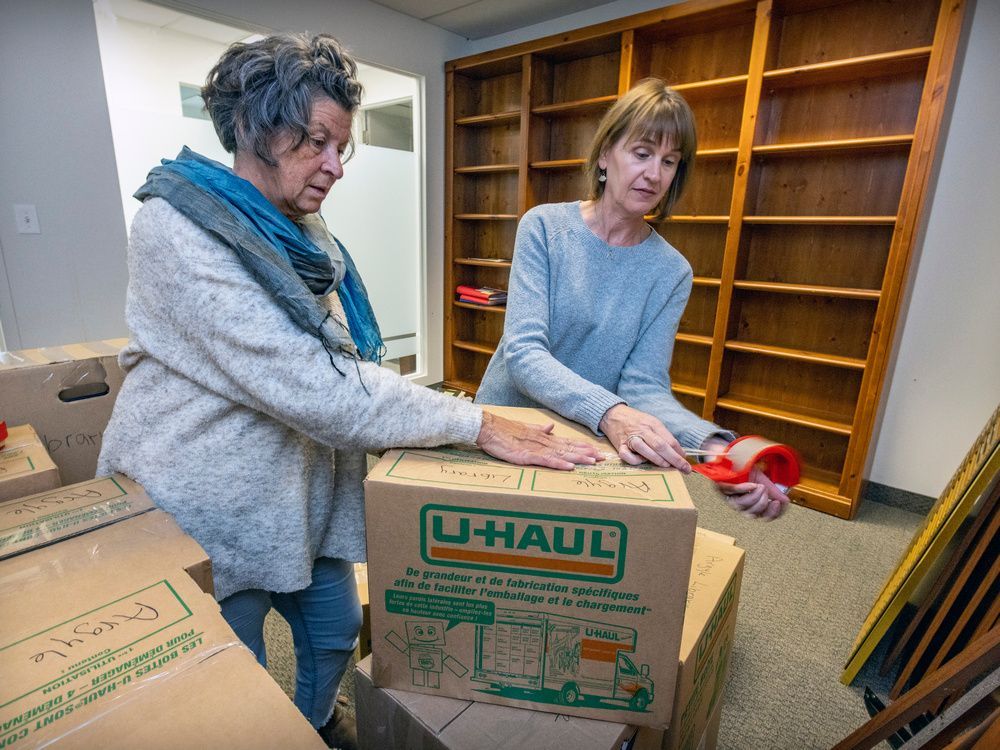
(652, 111)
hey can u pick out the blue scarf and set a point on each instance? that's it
(275, 250)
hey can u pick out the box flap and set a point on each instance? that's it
(470, 469)
(38, 520)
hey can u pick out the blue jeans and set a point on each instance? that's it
(325, 619)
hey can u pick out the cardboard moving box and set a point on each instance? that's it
(25, 466)
(397, 718)
(401, 719)
(557, 591)
(709, 627)
(134, 657)
(66, 393)
(365, 636)
(47, 517)
(105, 641)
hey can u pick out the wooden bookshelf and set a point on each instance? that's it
(818, 123)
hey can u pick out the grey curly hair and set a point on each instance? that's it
(262, 89)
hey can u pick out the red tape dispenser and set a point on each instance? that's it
(3, 433)
(778, 462)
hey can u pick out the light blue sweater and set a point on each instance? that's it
(590, 325)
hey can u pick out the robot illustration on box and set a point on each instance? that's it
(424, 645)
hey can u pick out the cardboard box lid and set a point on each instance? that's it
(463, 467)
(714, 563)
(151, 536)
(25, 466)
(469, 725)
(15, 360)
(470, 469)
(47, 517)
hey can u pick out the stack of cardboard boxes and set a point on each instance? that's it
(498, 592)
(109, 634)
(509, 604)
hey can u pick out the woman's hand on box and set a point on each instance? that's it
(641, 437)
(758, 497)
(520, 443)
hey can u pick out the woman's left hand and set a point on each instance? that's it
(529, 444)
(758, 497)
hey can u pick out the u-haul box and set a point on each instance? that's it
(557, 591)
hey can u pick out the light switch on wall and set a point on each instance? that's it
(27, 218)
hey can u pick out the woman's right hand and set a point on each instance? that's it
(520, 443)
(640, 437)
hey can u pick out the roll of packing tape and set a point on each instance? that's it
(778, 462)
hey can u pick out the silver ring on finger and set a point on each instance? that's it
(629, 439)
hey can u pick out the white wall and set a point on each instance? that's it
(945, 381)
(67, 283)
(143, 66)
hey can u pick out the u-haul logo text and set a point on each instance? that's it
(559, 546)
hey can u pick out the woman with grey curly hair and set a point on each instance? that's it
(252, 387)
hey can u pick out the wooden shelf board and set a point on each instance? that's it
(866, 66)
(567, 109)
(811, 289)
(877, 142)
(474, 346)
(710, 153)
(713, 87)
(558, 164)
(688, 390)
(481, 308)
(694, 338)
(794, 417)
(457, 384)
(821, 496)
(486, 169)
(696, 219)
(799, 355)
(489, 119)
(482, 263)
(706, 281)
(486, 217)
(833, 220)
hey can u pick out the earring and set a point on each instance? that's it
(603, 176)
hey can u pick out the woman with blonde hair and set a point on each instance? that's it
(596, 296)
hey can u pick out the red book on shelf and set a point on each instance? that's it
(483, 292)
(480, 300)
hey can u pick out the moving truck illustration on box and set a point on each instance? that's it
(557, 659)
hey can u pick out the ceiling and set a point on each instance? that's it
(166, 18)
(475, 19)
(472, 19)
